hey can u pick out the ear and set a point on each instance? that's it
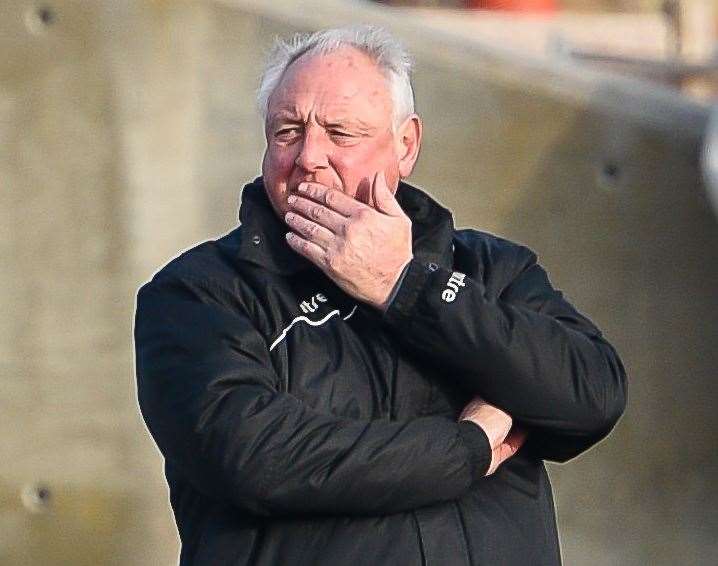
(408, 142)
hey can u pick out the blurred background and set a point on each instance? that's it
(581, 128)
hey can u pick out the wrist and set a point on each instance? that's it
(395, 284)
(477, 442)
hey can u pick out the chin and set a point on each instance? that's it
(278, 198)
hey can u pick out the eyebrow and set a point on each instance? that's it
(287, 115)
(293, 117)
(358, 123)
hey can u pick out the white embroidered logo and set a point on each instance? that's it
(311, 305)
(452, 286)
(322, 299)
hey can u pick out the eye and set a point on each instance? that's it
(285, 133)
(343, 138)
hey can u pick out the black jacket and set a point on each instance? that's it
(301, 427)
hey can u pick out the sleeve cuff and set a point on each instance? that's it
(397, 286)
(477, 441)
(407, 293)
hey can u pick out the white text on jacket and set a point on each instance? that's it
(311, 305)
(452, 287)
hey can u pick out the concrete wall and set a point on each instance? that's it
(127, 130)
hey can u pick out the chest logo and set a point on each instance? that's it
(312, 304)
(452, 287)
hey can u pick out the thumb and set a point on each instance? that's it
(385, 200)
(516, 438)
(506, 449)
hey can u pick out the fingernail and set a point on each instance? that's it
(289, 236)
(291, 199)
(302, 188)
(288, 217)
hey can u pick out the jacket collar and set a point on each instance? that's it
(262, 234)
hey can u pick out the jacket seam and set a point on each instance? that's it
(464, 535)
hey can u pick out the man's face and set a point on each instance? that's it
(329, 121)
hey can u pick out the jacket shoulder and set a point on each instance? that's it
(207, 273)
(208, 269)
(211, 261)
(492, 258)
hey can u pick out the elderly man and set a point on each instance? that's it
(346, 378)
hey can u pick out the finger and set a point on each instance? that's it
(516, 437)
(309, 230)
(511, 445)
(331, 198)
(383, 197)
(504, 451)
(318, 213)
(308, 249)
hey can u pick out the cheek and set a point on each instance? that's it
(280, 160)
(350, 166)
(277, 167)
(357, 163)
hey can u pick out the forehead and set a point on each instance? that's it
(345, 81)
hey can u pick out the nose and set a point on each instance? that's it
(313, 151)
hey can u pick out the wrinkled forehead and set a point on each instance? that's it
(346, 82)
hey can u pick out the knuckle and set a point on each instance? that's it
(362, 215)
(343, 249)
(350, 229)
(329, 261)
(332, 261)
(306, 208)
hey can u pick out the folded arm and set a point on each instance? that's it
(512, 338)
(209, 395)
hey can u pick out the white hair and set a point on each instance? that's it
(390, 56)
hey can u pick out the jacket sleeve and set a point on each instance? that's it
(512, 338)
(210, 398)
